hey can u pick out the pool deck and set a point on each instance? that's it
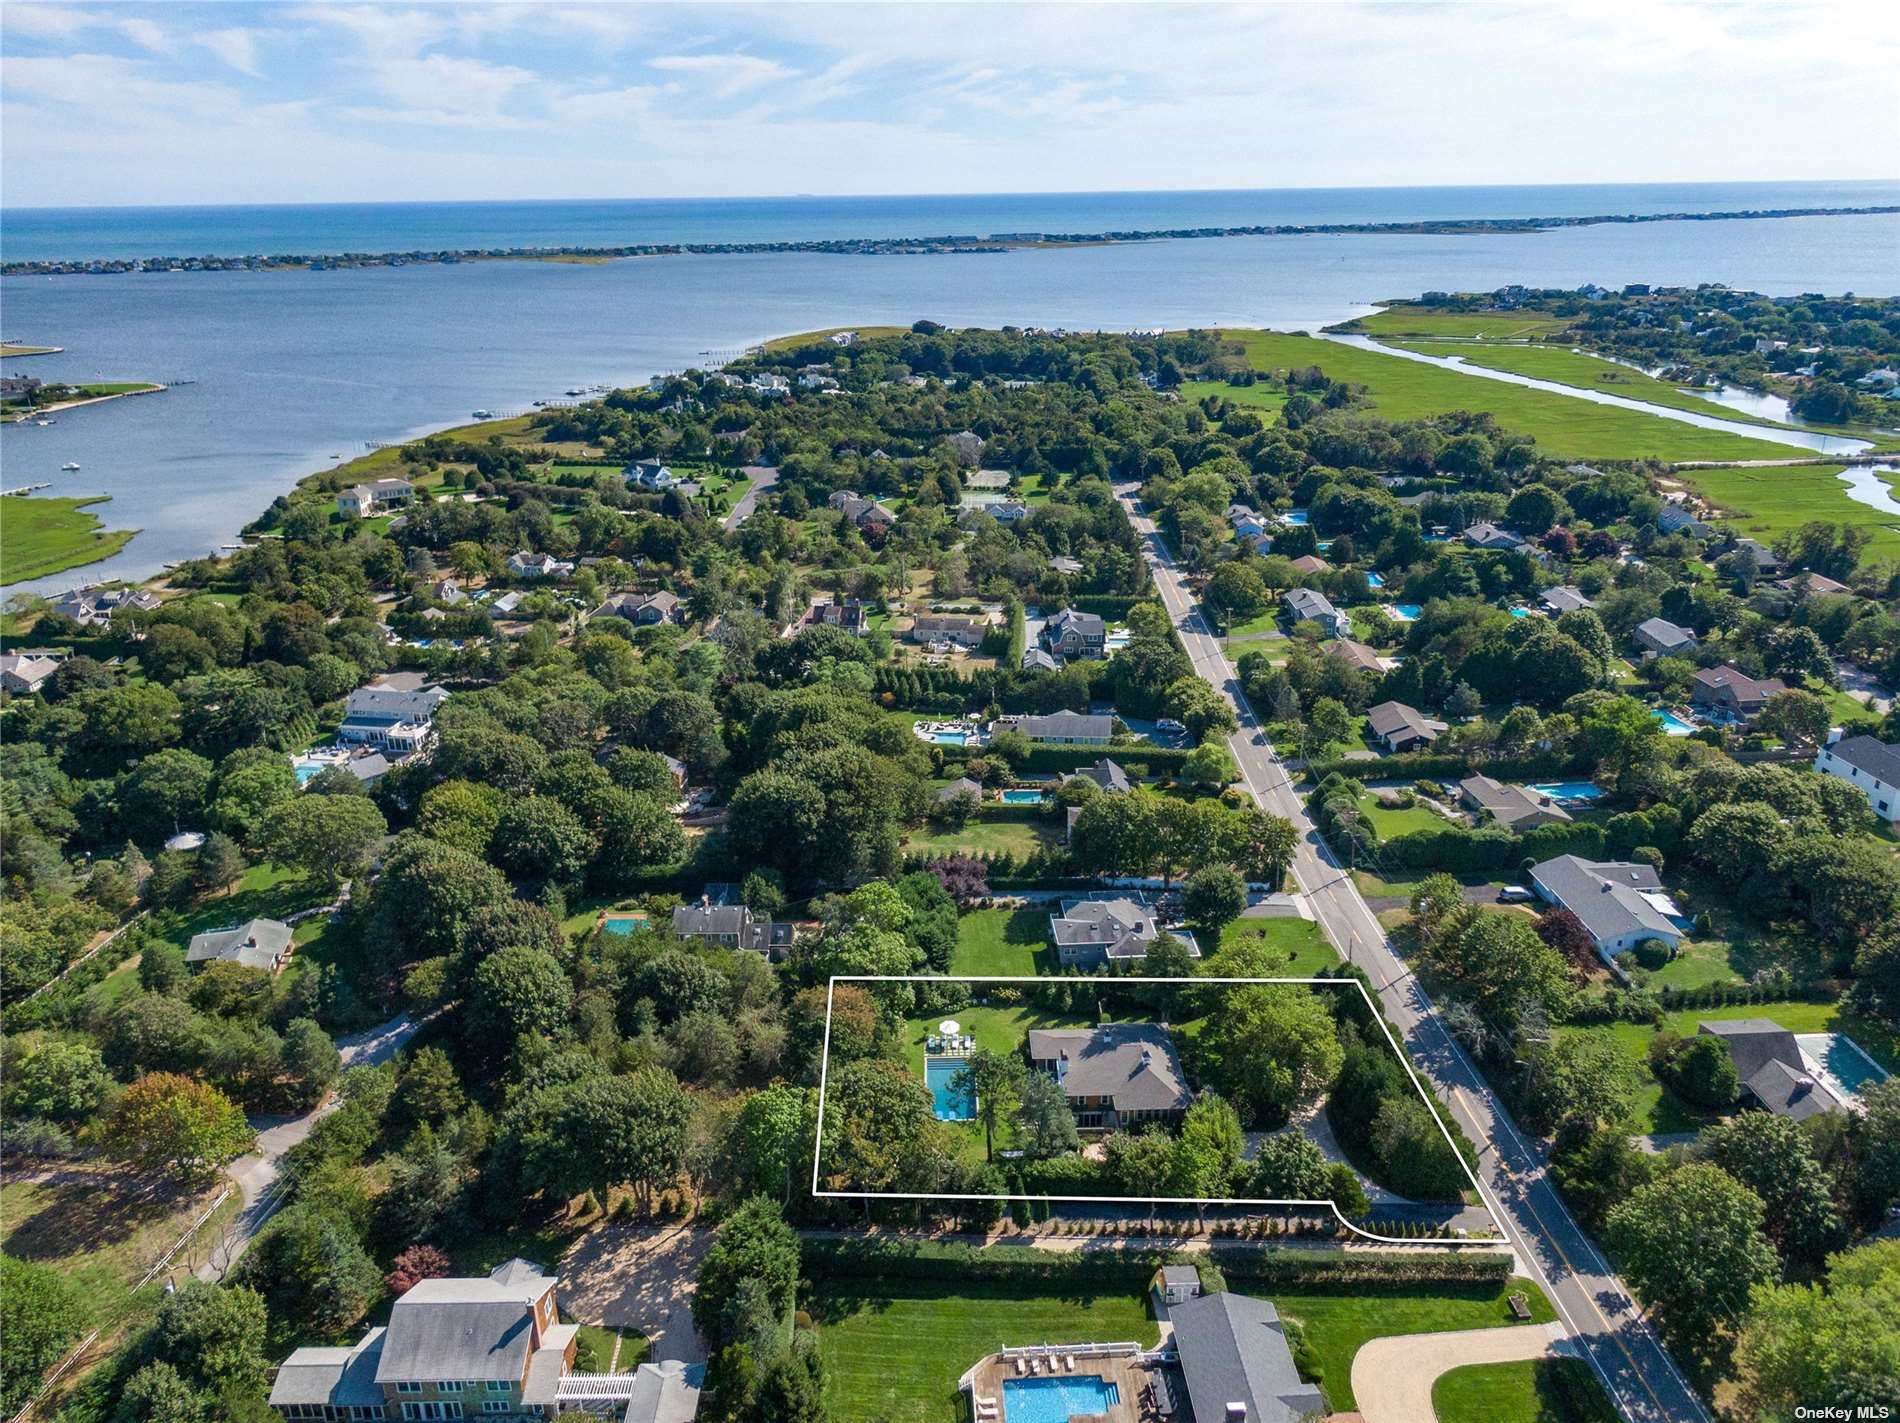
(1126, 1371)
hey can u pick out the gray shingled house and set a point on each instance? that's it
(1115, 1074)
(1237, 1364)
(257, 943)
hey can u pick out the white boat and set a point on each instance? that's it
(42, 423)
(484, 415)
(70, 468)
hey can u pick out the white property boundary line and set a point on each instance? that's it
(824, 1072)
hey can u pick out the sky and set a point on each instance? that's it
(180, 103)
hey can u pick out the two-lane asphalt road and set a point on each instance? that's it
(1592, 1302)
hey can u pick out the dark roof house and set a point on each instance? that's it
(1115, 1073)
(258, 943)
(1768, 1060)
(1237, 1364)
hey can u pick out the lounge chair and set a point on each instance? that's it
(1069, 1362)
(1019, 1368)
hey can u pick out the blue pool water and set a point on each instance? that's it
(1373, 580)
(950, 738)
(1837, 1056)
(307, 771)
(1673, 725)
(1057, 1400)
(623, 923)
(952, 1105)
(1294, 516)
(1022, 797)
(1570, 791)
(1520, 612)
(1405, 612)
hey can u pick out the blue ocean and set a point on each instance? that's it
(275, 374)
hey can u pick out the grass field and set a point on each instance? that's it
(1304, 947)
(1562, 425)
(1525, 1392)
(875, 1370)
(1586, 372)
(1005, 941)
(1267, 399)
(893, 1352)
(805, 338)
(1403, 320)
(1017, 837)
(39, 536)
(1771, 500)
(102, 1230)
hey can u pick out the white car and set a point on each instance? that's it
(1168, 723)
(1515, 894)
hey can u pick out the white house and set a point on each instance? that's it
(1870, 766)
(365, 501)
(651, 475)
(538, 565)
(1620, 903)
(23, 673)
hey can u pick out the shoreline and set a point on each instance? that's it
(24, 416)
(946, 245)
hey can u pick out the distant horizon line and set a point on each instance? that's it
(1673, 184)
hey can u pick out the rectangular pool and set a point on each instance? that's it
(1839, 1061)
(1567, 792)
(1057, 1400)
(623, 923)
(950, 738)
(1022, 797)
(952, 1105)
(1403, 612)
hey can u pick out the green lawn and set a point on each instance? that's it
(1300, 940)
(1562, 425)
(39, 536)
(1005, 941)
(1525, 1392)
(870, 1332)
(1406, 320)
(1017, 837)
(1768, 501)
(806, 338)
(1568, 367)
(1390, 821)
(1337, 1322)
(1261, 396)
(999, 1029)
(893, 1352)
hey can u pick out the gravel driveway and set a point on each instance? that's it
(1393, 1377)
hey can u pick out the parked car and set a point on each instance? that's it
(1515, 894)
(1168, 723)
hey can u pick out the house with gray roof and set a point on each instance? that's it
(1237, 1364)
(1097, 929)
(1516, 808)
(23, 673)
(492, 1345)
(642, 609)
(365, 501)
(257, 943)
(1115, 1074)
(1073, 634)
(731, 925)
(1674, 519)
(1727, 693)
(961, 786)
(1109, 776)
(1399, 727)
(1355, 654)
(1036, 660)
(1491, 536)
(1662, 638)
(963, 629)
(1565, 599)
(666, 1392)
(1620, 903)
(1768, 1060)
(1871, 766)
(396, 718)
(1305, 605)
(1064, 727)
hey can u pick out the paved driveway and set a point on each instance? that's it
(640, 1278)
(1393, 1377)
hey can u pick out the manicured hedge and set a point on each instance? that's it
(1463, 851)
(1266, 1265)
(1432, 765)
(1243, 1265)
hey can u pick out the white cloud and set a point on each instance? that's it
(728, 74)
(236, 47)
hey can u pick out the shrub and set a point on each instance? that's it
(1654, 953)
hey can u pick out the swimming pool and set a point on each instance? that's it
(1294, 516)
(1567, 791)
(1672, 724)
(1839, 1061)
(1520, 612)
(1373, 580)
(952, 1105)
(1403, 612)
(1058, 1400)
(623, 923)
(950, 738)
(308, 771)
(1022, 797)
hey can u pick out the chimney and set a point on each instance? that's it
(1236, 1413)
